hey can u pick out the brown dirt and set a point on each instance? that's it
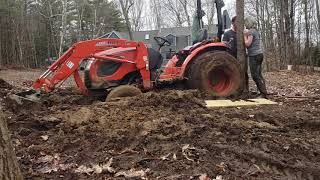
(169, 135)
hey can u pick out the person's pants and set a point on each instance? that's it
(246, 77)
(255, 63)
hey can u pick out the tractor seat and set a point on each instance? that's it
(155, 59)
(155, 63)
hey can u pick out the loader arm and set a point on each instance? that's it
(69, 62)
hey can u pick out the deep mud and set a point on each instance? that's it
(165, 135)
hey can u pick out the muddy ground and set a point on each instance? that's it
(167, 135)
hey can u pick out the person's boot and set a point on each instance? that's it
(263, 95)
(263, 90)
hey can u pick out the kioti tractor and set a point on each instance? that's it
(118, 68)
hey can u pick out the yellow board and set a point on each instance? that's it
(229, 103)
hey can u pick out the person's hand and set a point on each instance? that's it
(227, 44)
(246, 32)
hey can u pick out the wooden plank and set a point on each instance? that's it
(229, 103)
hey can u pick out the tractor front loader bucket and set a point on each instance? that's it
(26, 96)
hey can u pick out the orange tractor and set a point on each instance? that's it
(117, 68)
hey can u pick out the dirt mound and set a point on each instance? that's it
(168, 134)
(168, 98)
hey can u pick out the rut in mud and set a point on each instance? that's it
(165, 135)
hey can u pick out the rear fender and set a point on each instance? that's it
(195, 53)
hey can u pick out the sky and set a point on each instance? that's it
(229, 6)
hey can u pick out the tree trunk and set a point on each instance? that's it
(292, 52)
(282, 36)
(287, 25)
(307, 45)
(240, 40)
(318, 15)
(157, 13)
(9, 168)
(185, 9)
(270, 45)
(125, 11)
(63, 25)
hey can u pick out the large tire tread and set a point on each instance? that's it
(123, 91)
(199, 69)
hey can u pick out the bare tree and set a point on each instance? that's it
(9, 168)
(318, 13)
(185, 4)
(136, 15)
(209, 8)
(64, 4)
(173, 11)
(307, 28)
(125, 6)
(156, 9)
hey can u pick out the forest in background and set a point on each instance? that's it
(32, 31)
(290, 30)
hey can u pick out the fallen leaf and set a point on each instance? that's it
(220, 167)
(96, 169)
(165, 157)
(84, 170)
(204, 177)
(45, 137)
(174, 156)
(129, 151)
(218, 178)
(45, 159)
(17, 142)
(132, 173)
(186, 151)
(286, 148)
(108, 167)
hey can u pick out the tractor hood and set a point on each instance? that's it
(119, 51)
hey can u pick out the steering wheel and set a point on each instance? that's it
(162, 42)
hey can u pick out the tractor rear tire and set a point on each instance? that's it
(216, 73)
(123, 91)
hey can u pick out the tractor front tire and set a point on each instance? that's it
(216, 73)
(123, 91)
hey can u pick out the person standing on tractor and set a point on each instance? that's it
(255, 53)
